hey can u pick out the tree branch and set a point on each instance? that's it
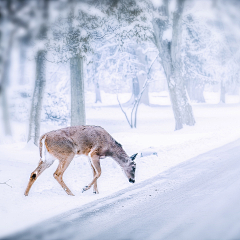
(124, 112)
(6, 183)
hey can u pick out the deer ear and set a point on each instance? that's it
(133, 156)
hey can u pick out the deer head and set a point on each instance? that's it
(130, 169)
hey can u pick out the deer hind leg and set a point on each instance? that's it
(95, 189)
(36, 173)
(58, 175)
(95, 162)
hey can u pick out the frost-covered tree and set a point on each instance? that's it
(40, 79)
(11, 23)
(210, 46)
(227, 23)
(198, 65)
(168, 39)
(166, 34)
(72, 40)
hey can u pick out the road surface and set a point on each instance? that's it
(198, 199)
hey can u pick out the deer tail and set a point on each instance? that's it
(41, 143)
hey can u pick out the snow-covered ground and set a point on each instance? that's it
(217, 124)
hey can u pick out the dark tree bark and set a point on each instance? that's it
(170, 53)
(78, 116)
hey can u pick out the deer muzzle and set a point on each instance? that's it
(131, 180)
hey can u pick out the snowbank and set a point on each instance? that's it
(217, 124)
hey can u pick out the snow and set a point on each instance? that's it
(167, 35)
(217, 124)
(157, 3)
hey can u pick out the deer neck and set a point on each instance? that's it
(121, 158)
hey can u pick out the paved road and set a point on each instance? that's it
(198, 199)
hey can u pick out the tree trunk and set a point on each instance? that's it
(6, 119)
(170, 54)
(135, 92)
(145, 97)
(4, 81)
(78, 116)
(223, 92)
(22, 64)
(40, 81)
(37, 99)
(97, 92)
(96, 83)
(142, 75)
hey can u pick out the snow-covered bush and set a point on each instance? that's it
(56, 108)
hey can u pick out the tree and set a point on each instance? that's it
(227, 24)
(132, 120)
(40, 80)
(142, 74)
(170, 53)
(11, 22)
(78, 116)
(72, 40)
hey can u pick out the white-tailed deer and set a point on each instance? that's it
(94, 141)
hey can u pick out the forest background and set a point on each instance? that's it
(162, 77)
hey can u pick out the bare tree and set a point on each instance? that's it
(132, 120)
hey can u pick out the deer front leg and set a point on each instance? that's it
(63, 164)
(36, 173)
(95, 162)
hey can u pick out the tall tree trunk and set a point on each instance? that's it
(78, 116)
(6, 119)
(22, 64)
(4, 81)
(40, 81)
(37, 99)
(170, 54)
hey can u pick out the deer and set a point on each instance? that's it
(92, 141)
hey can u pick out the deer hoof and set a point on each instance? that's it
(85, 189)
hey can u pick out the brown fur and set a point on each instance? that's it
(93, 141)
